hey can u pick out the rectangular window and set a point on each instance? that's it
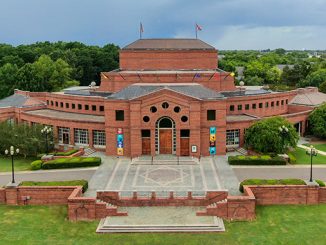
(231, 107)
(184, 133)
(119, 115)
(101, 108)
(52, 102)
(64, 135)
(56, 104)
(81, 136)
(79, 106)
(254, 106)
(99, 138)
(67, 105)
(211, 115)
(47, 102)
(73, 106)
(145, 133)
(247, 106)
(93, 107)
(282, 102)
(61, 104)
(277, 103)
(239, 107)
(272, 104)
(266, 104)
(233, 138)
(260, 105)
(287, 101)
(86, 107)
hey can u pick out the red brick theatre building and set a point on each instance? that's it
(167, 97)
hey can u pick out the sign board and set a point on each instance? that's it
(119, 131)
(120, 140)
(193, 148)
(120, 151)
(212, 140)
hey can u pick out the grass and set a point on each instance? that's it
(303, 158)
(83, 183)
(321, 147)
(21, 164)
(274, 225)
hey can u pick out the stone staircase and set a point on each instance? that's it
(88, 151)
(161, 160)
(214, 209)
(242, 151)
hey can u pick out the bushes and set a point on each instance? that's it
(36, 165)
(256, 160)
(73, 162)
(83, 183)
(271, 182)
(65, 153)
(292, 158)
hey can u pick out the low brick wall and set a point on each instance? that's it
(172, 199)
(2, 195)
(290, 194)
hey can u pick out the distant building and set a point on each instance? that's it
(281, 67)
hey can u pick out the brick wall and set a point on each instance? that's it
(2, 196)
(322, 195)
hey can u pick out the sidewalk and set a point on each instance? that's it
(308, 148)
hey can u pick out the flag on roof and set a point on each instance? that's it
(198, 27)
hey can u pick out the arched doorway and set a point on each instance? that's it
(165, 136)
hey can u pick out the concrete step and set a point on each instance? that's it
(105, 227)
(213, 205)
(88, 151)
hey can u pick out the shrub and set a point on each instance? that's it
(271, 182)
(292, 158)
(256, 160)
(65, 153)
(73, 162)
(320, 183)
(83, 183)
(36, 165)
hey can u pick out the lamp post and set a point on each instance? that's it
(312, 152)
(284, 132)
(12, 153)
(46, 131)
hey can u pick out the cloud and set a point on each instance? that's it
(228, 24)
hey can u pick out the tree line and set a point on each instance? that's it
(46, 66)
(260, 68)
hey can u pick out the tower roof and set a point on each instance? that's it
(169, 44)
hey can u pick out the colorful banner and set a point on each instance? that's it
(120, 140)
(212, 140)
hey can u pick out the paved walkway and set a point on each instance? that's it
(308, 148)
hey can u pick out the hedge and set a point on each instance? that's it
(320, 183)
(256, 160)
(271, 182)
(36, 165)
(83, 183)
(72, 162)
(65, 153)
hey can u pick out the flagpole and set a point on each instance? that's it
(196, 30)
(140, 31)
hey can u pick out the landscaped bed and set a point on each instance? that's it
(256, 160)
(83, 183)
(72, 162)
(289, 224)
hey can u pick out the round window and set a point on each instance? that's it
(153, 109)
(146, 118)
(165, 105)
(184, 118)
(177, 109)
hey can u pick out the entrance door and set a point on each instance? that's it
(184, 149)
(165, 141)
(146, 146)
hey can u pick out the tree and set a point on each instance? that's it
(322, 87)
(317, 121)
(8, 77)
(315, 79)
(264, 136)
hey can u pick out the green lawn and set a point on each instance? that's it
(20, 163)
(274, 225)
(303, 158)
(321, 147)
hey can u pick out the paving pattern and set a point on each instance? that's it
(197, 177)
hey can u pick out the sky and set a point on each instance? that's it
(226, 24)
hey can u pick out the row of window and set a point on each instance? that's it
(81, 136)
(260, 105)
(73, 106)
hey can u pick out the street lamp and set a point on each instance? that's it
(46, 131)
(12, 153)
(312, 152)
(284, 132)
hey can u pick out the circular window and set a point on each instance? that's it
(146, 118)
(153, 109)
(177, 109)
(184, 118)
(165, 105)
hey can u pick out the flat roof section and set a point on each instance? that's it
(239, 118)
(66, 115)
